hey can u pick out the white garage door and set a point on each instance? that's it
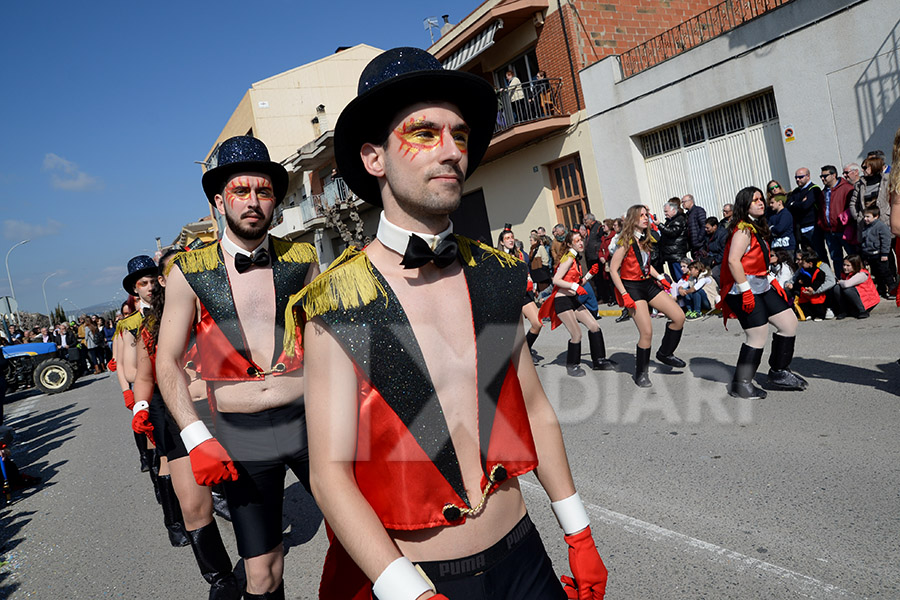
(713, 155)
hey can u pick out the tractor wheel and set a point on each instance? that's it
(53, 376)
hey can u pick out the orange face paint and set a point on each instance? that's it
(420, 135)
(239, 189)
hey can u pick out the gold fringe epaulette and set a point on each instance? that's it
(298, 252)
(204, 258)
(129, 323)
(465, 252)
(744, 225)
(348, 283)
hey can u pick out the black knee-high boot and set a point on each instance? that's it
(599, 362)
(573, 360)
(780, 374)
(152, 458)
(666, 352)
(214, 563)
(172, 516)
(141, 441)
(747, 364)
(276, 595)
(530, 338)
(641, 366)
(220, 504)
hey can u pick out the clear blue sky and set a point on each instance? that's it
(107, 104)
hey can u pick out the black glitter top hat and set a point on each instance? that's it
(139, 266)
(243, 154)
(396, 79)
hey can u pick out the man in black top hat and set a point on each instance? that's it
(232, 294)
(423, 403)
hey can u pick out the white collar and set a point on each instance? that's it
(142, 306)
(396, 238)
(233, 249)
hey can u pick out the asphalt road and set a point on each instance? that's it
(692, 494)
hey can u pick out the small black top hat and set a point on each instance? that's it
(396, 79)
(139, 266)
(243, 154)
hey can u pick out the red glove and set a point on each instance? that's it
(111, 365)
(530, 286)
(129, 399)
(211, 463)
(780, 291)
(588, 581)
(580, 291)
(664, 284)
(595, 268)
(629, 303)
(748, 301)
(140, 423)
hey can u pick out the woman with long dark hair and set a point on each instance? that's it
(179, 491)
(507, 243)
(563, 306)
(638, 288)
(753, 296)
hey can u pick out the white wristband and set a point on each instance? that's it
(571, 514)
(194, 434)
(742, 287)
(574, 286)
(139, 406)
(400, 581)
(660, 276)
(587, 277)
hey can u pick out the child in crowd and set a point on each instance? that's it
(701, 291)
(783, 268)
(855, 293)
(811, 285)
(876, 250)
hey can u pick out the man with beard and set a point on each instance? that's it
(424, 406)
(233, 295)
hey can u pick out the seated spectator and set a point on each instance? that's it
(855, 294)
(876, 250)
(781, 223)
(811, 285)
(701, 292)
(783, 267)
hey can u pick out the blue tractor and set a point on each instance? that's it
(41, 365)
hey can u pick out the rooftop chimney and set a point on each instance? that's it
(447, 26)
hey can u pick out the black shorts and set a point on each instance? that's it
(166, 433)
(261, 445)
(528, 299)
(515, 568)
(563, 303)
(767, 304)
(641, 289)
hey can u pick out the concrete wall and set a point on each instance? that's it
(833, 65)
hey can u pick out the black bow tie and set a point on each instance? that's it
(242, 262)
(418, 253)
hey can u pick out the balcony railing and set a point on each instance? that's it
(527, 102)
(695, 31)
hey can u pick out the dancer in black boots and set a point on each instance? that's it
(507, 243)
(756, 299)
(187, 506)
(638, 289)
(563, 306)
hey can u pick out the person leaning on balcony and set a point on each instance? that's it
(516, 96)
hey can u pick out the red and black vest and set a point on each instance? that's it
(221, 346)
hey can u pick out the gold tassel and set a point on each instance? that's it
(197, 261)
(132, 321)
(748, 226)
(465, 252)
(348, 283)
(286, 251)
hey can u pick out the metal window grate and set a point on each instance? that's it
(692, 131)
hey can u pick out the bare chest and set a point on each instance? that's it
(254, 302)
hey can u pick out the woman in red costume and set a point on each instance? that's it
(564, 307)
(507, 243)
(756, 299)
(153, 418)
(638, 288)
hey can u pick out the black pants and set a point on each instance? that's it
(881, 273)
(515, 568)
(847, 301)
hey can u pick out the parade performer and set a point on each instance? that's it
(423, 404)
(638, 285)
(141, 270)
(194, 501)
(242, 284)
(753, 296)
(507, 244)
(564, 307)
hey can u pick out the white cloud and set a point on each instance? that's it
(112, 274)
(20, 230)
(65, 175)
(67, 284)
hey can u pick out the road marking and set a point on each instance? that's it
(24, 409)
(812, 586)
